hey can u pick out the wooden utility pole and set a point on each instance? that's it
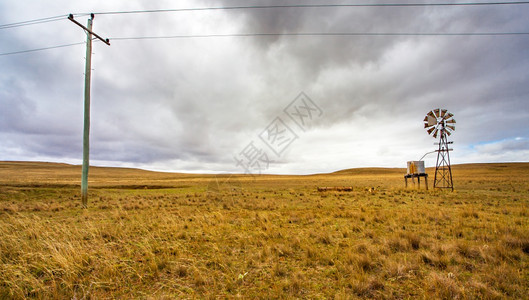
(86, 127)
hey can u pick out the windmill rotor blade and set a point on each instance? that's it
(449, 115)
(432, 121)
(437, 112)
(451, 127)
(426, 125)
(425, 119)
(435, 133)
(430, 114)
(430, 130)
(443, 112)
(452, 121)
(448, 133)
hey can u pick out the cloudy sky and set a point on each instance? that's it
(224, 100)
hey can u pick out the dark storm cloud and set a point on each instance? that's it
(178, 101)
(453, 62)
(480, 79)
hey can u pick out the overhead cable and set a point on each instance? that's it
(41, 49)
(310, 6)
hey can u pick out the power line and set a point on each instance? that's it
(60, 17)
(41, 49)
(311, 6)
(293, 34)
(32, 22)
(331, 34)
(36, 21)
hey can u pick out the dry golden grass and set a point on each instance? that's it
(162, 235)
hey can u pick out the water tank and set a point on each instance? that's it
(416, 167)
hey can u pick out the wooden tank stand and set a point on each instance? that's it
(418, 176)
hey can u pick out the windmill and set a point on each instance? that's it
(440, 122)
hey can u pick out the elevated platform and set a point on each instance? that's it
(418, 176)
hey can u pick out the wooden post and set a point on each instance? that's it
(86, 127)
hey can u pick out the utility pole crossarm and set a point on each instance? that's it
(106, 41)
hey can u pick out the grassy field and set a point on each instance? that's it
(162, 236)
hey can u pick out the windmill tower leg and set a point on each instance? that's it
(450, 182)
(435, 181)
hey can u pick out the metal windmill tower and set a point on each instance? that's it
(439, 122)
